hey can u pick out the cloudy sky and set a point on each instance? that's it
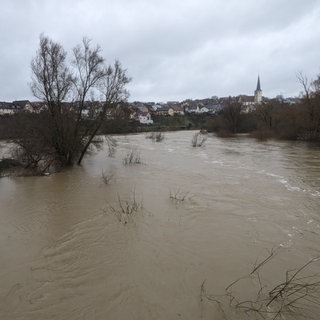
(172, 49)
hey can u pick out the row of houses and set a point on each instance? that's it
(138, 111)
(208, 106)
(9, 108)
(13, 107)
(143, 112)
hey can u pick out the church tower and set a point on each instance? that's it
(258, 93)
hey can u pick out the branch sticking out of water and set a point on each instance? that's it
(298, 297)
(155, 136)
(132, 157)
(112, 144)
(107, 177)
(198, 139)
(126, 209)
(178, 196)
(258, 266)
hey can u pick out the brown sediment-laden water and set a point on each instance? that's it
(165, 237)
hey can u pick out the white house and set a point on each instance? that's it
(145, 118)
(204, 110)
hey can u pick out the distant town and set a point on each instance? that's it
(143, 112)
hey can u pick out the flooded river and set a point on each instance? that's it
(163, 238)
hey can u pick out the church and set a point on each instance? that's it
(258, 93)
(251, 102)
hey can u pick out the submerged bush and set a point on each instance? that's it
(198, 139)
(132, 157)
(107, 177)
(124, 210)
(155, 136)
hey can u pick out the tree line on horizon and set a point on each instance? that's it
(274, 118)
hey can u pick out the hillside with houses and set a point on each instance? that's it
(144, 112)
(255, 114)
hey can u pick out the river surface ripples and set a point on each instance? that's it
(205, 216)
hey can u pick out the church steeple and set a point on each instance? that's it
(258, 93)
(258, 84)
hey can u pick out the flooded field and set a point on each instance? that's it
(165, 237)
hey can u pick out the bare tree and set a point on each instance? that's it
(52, 79)
(89, 70)
(311, 100)
(231, 115)
(52, 82)
(265, 113)
(55, 82)
(112, 86)
(304, 81)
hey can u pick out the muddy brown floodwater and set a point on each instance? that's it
(209, 215)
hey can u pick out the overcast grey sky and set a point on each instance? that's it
(172, 49)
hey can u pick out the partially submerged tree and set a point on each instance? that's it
(231, 115)
(113, 89)
(66, 89)
(52, 82)
(227, 122)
